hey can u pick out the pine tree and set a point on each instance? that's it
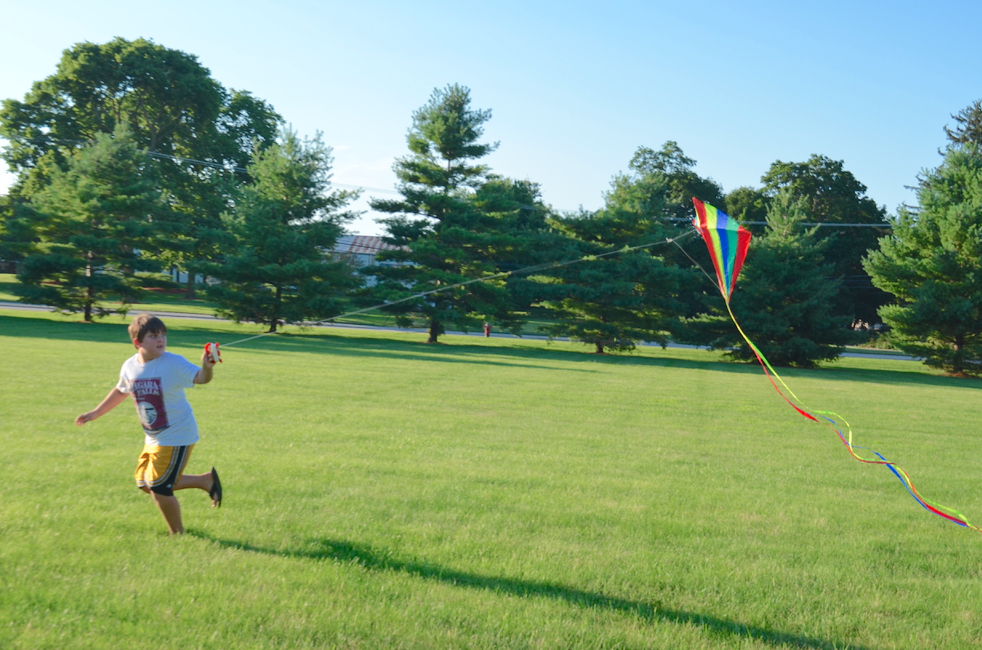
(445, 236)
(91, 226)
(518, 210)
(618, 298)
(968, 126)
(277, 267)
(932, 264)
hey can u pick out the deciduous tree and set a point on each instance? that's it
(747, 204)
(175, 110)
(833, 195)
(682, 182)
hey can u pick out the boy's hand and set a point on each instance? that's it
(112, 400)
(209, 358)
(85, 417)
(211, 355)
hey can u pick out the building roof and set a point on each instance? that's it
(362, 244)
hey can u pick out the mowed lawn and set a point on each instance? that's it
(484, 493)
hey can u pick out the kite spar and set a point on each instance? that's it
(728, 243)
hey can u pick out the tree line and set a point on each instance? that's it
(131, 158)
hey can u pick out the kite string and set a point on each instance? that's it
(832, 420)
(529, 269)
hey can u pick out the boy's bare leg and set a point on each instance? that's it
(200, 481)
(171, 510)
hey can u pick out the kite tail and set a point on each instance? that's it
(833, 420)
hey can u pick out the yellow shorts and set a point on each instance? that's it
(160, 468)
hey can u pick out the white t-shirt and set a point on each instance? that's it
(158, 390)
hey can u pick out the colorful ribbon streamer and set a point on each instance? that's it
(728, 243)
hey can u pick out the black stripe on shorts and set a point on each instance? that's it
(165, 486)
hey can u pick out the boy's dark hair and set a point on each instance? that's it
(146, 324)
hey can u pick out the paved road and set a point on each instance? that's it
(165, 314)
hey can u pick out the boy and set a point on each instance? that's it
(157, 380)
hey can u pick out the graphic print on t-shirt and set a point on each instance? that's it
(150, 404)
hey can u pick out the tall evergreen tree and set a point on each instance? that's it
(784, 299)
(932, 265)
(445, 236)
(968, 126)
(277, 267)
(88, 226)
(614, 299)
(516, 204)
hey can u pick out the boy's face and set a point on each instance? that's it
(152, 347)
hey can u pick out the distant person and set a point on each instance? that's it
(487, 329)
(157, 379)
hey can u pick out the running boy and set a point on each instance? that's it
(157, 379)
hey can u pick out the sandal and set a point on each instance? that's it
(216, 490)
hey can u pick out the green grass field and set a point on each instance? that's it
(485, 493)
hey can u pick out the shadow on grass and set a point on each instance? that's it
(354, 346)
(382, 561)
(512, 354)
(358, 346)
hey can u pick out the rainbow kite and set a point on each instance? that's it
(728, 242)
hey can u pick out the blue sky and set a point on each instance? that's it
(574, 87)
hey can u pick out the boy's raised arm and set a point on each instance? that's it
(112, 400)
(207, 370)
